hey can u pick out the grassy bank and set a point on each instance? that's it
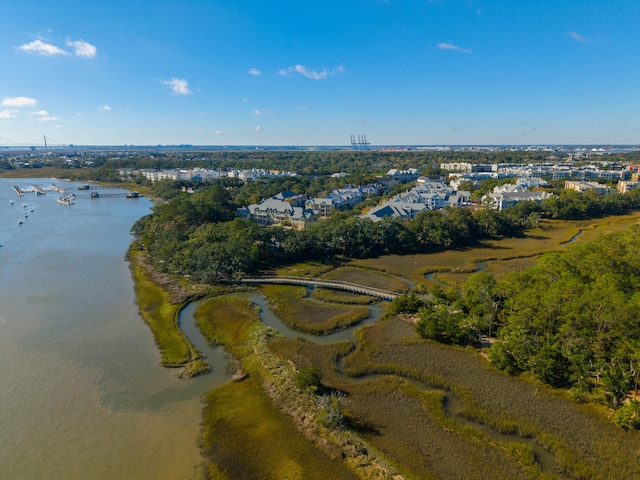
(160, 312)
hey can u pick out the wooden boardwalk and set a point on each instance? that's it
(335, 284)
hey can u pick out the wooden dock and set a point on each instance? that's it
(111, 195)
(334, 284)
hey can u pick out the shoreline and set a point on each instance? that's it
(255, 362)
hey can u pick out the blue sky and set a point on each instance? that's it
(401, 72)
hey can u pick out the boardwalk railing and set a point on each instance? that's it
(335, 284)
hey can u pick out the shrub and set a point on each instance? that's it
(308, 378)
(628, 416)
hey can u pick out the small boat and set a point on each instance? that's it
(67, 200)
(19, 221)
(10, 202)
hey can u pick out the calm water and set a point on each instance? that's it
(82, 394)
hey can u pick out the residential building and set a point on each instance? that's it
(580, 186)
(626, 186)
(274, 212)
(409, 175)
(505, 199)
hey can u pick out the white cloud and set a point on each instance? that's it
(19, 102)
(6, 114)
(104, 108)
(258, 129)
(255, 72)
(576, 36)
(40, 48)
(83, 49)
(48, 119)
(455, 48)
(41, 113)
(221, 132)
(178, 85)
(302, 70)
(257, 112)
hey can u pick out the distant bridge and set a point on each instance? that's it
(334, 284)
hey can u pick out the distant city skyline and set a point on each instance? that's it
(415, 72)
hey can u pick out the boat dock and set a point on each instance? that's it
(67, 199)
(112, 195)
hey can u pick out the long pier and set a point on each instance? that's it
(38, 190)
(334, 284)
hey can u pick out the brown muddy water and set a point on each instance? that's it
(82, 392)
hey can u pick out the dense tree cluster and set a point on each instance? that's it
(199, 234)
(572, 320)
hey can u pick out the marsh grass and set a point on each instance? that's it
(373, 402)
(44, 172)
(226, 320)
(585, 443)
(161, 315)
(245, 436)
(368, 277)
(306, 269)
(503, 254)
(310, 316)
(340, 296)
(262, 426)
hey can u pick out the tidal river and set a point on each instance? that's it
(82, 393)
